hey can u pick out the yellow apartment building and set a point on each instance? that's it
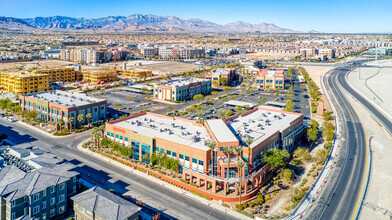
(96, 75)
(20, 83)
(64, 74)
(135, 73)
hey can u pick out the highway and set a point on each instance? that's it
(108, 176)
(338, 199)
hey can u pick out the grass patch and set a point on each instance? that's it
(201, 195)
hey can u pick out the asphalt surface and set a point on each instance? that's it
(98, 172)
(338, 200)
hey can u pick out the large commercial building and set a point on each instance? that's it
(381, 51)
(215, 75)
(98, 203)
(181, 89)
(64, 74)
(41, 193)
(269, 79)
(55, 105)
(187, 141)
(23, 82)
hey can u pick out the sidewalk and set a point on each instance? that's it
(214, 204)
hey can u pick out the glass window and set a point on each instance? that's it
(194, 160)
(121, 137)
(201, 163)
(126, 139)
(111, 134)
(168, 152)
(108, 133)
(186, 158)
(181, 156)
(174, 154)
(116, 135)
(162, 150)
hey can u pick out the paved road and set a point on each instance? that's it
(96, 171)
(339, 198)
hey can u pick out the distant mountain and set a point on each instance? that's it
(135, 23)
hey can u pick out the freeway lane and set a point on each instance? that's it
(95, 171)
(338, 199)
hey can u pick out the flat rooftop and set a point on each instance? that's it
(220, 130)
(24, 74)
(261, 124)
(239, 103)
(65, 98)
(182, 81)
(220, 71)
(275, 103)
(175, 130)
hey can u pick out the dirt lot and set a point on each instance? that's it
(171, 67)
(32, 64)
(315, 73)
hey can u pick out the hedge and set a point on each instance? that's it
(201, 195)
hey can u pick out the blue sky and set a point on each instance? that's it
(346, 16)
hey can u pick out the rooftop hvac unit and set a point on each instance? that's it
(145, 119)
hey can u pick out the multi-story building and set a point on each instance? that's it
(149, 51)
(381, 51)
(23, 82)
(40, 194)
(181, 89)
(55, 105)
(98, 203)
(64, 74)
(215, 75)
(330, 53)
(270, 79)
(135, 73)
(187, 141)
(308, 52)
(101, 74)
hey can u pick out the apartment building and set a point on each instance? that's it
(40, 194)
(308, 52)
(215, 75)
(135, 73)
(23, 82)
(181, 89)
(100, 204)
(187, 141)
(64, 74)
(101, 74)
(330, 53)
(55, 105)
(270, 79)
(149, 51)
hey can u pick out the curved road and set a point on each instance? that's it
(339, 198)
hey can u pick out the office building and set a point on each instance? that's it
(269, 79)
(98, 203)
(19, 83)
(215, 75)
(56, 105)
(181, 89)
(187, 141)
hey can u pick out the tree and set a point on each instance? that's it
(96, 135)
(227, 88)
(61, 122)
(240, 165)
(228, 150)
(200, 114)
(275, 157)
(222, 81)
(212, 146)
(229, 113)
(89, 116)
(313, 130)
(70, 121)
(239, 149)
(320, 156)
(302, 154)
(80, 119)
(198, 97)
(286, 174)
(248, 141)
(214, 93)
(221, 113)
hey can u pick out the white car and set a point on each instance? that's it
(12, 119)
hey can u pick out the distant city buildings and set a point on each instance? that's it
(58, 105)
(181, 89)
(381, 51)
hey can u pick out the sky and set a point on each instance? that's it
(334, 16)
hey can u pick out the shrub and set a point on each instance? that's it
(251, 204)
(244, 205)
(303, 182)
(238, 206)
(184, 181)
(86, 144)
(61, 133)
(193, 184)
(268, 197)
(297, 162)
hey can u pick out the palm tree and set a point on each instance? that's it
(200, 114)
(221, 113)
(89, 116)
(80, 119)
(238, 149)
(228, 151)
(71, 120)
(248, 141)
(61, 122)
(240, 165)
(96, 134)
(212, 146)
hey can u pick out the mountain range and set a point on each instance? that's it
(134, 23)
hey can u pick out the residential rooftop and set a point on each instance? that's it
(105, 204)
(177, 130)
(65, 99)
(261, 123)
